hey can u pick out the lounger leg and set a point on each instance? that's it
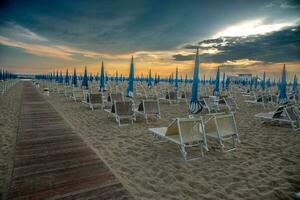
(184, 153)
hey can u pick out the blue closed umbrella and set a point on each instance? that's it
(282, 98)
(195, 106)
(74, 78)
(263, 82)
(295, 85)
(223, 82)
(130, 80)
(85, 81)
(102, 80)
(176, 79)
(149, 79)
(67, 78)
(217, 82)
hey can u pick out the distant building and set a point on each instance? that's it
(240, 77)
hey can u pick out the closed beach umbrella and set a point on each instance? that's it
(67, 78)
(130, 80)
(85, 81)
(195, 106)
(102, 79)
(149, 79)
(74, 78)
(227, 82)
(217, 82)
(223, 82)
(176, 79)
(295, 85)
(263, 82)
(282, 98)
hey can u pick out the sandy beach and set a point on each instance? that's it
(265, 165)
(9, 109)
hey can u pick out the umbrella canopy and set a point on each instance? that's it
(263, 82)
(282, 98)
(176, 79)
(61, 78)
(227, 82)
(217, 82)
(130, 80)
(74, 78)
(195, 106)
(67, 78)
(102, 79)
(85, 81)
(295, 85)
(223, 82)
(149, 79)
(57, 77)
(255, 82)
(186, 80)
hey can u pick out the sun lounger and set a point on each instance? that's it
(171, 96)
(122, 110)
(96, 99)
(77, 95)
(185, 133)
(231, 104)
(211, 104)
(285, 114)
(148, 108)
(220, 128)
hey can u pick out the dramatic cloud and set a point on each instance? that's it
(279, 46)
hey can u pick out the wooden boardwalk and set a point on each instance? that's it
(53, 162)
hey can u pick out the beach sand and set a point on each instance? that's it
(266, 165)
(9, 109)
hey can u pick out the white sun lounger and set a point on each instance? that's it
(220, 128)
(149, 107)
(285, 114)
(122, 110)
(96, 99)
(185, 133)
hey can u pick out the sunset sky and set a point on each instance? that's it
(238, 35)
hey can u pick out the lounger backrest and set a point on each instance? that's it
(226, 125)
(96, 98)
(210, 125)
(78, 93)
(231, 103)
(190, 130)
(292, 113)
(278, 112)
(124, 108)
(173, 128)
(116, 97)
(211, 104)
(151, 107)
(173, 95)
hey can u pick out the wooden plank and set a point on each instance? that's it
(52, 161)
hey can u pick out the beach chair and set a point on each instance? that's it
(122, 110)
(96, 99)
(147, 108)
(211, 104)
(185, 133)
(284, 114)
(171, 96)
(67, 91)
(221, 128)
(77, 95)
(231, 104)
(259, 100)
